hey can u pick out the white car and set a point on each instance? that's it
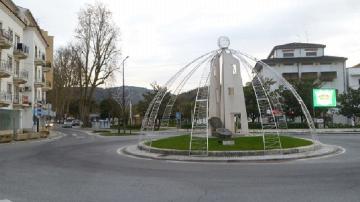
(67, 124)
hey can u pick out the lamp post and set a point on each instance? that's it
(123, 93)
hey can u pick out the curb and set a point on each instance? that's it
(324, 151)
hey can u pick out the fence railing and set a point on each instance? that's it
(5, 66)
(5, 97)
(6, 34)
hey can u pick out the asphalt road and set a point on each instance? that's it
(79, 167)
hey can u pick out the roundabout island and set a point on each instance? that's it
(219, 128)
(245, 149)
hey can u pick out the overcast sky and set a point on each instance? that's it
(160, 36)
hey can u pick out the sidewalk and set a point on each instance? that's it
(32, 137)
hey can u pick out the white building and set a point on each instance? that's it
(353, 74)
(307, 61)
(23, 67)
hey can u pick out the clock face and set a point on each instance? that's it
(223, 42)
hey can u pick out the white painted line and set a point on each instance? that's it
(5, 200)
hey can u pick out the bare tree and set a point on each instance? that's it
(65, 78)
(96, 52)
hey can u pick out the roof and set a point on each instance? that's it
(357, 66)
(270, 61)
(34, 23)
(13, 9)
(296, 45)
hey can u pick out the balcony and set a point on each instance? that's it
(40, 59)
(5, 69)
(291, 76)
(47, 86)
(328, 76)
(17, 101)
(6, 39)
(20, 77)
(47, 67)
(21, 101)
(39, 82)
(21, 51)
(310, 76)
(5, 99)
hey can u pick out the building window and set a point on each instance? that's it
(234, 69)
(312, 53)
(17, 67)
(231, 91)
(9, 88)
(17, 39)
(10, 61)
(288, 55)
(11, 33)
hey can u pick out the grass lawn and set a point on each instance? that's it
(241, 143)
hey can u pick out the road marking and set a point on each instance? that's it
(5, 200)
(74, 135)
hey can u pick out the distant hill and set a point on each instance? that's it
(136, 93)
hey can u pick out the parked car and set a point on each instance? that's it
(67, 124)
(75, 122)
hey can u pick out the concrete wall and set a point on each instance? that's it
(354, 77)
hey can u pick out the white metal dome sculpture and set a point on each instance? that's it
(221, 75)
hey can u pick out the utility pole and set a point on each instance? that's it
(123, 93)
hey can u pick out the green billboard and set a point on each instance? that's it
(324, 97)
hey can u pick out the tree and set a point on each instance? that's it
(109, 108)
(304, 89)
(143, 105)
(96, 52)
(251, 103)
(65, 78)
(350, 104)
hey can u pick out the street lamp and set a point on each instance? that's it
(123, 92)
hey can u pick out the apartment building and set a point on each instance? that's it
(26, 53)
